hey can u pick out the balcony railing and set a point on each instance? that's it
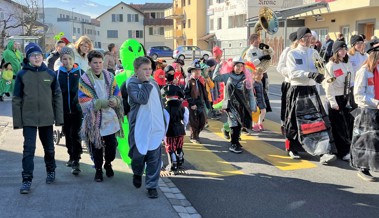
(176, 13)
(178, 34)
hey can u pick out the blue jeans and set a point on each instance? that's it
(30, 135)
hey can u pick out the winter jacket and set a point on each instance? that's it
(37, 98)
(13, 56)
(176, 124)
(69, 83)
(196, 97)
(51, 59)
(357, 61)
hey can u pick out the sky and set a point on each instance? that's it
(93, 8)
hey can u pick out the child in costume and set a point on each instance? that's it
(258, 89)
(159, 74)
(100, 99)
(176, 132)
(6, 80)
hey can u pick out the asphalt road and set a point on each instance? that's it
(219, 183)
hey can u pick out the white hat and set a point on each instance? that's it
(238, 59)
(314, 34)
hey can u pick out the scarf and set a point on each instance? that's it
(376, 83)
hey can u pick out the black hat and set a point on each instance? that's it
(194, 65)
(169, 68)
(337, 45)
(355, 38)
(293, 36)
(372, 44)
(32, 48)
(211, 62)
(179, 61)
(302, 31)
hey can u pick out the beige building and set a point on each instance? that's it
(190, 22)
(120, 23)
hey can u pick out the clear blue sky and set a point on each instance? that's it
(114, 2)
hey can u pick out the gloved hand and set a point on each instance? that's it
(318, 77)
(265, 57)
(263, 46)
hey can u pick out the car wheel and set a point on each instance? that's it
(181, 57)
(205, 57)
(154, 56)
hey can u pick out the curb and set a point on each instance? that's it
(178, 201)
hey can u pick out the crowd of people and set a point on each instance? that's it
(76, 88)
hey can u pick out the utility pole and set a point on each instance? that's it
(72, 29)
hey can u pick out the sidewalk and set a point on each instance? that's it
(70, 196)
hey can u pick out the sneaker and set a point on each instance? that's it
(244, 131)
(50, 178)
(346, 157)
(99, 175)
(327, 158)
(226, 133)
(260, 127)
(137, 181)
(25, 187)
(69, 162)
(174, 166)
(180, 159)
(365, 175)
(75, 168)
(256, 128)
(152, 193)
(7, 94)
(108, 170)
(235, 148)
(294, 154)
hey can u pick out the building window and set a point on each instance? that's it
(189, 2)
(130, 34)
(211, 24)
(189, 23)
(210, 2)
(74, 30)
(98, 33)
(183, 3)
(151, 31)
(139, 34)
(117, 18)
(161, 31)
(184, 24)
(237, 21)
(345, 31)
(112, 33)
(132, 17)
(321, 34)
(78, 30)
(219, 23)
(156, 15)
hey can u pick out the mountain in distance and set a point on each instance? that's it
(86, 7)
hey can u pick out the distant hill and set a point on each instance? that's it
(86, 7)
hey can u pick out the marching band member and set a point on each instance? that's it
(365, 142)
(304, 101)
(337, 94)
(255, 54)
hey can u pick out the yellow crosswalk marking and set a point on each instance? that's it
(269, 153)
(207, 162)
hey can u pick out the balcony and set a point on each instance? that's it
(178, 34)
(174, 13)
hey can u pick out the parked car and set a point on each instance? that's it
(186, 51)
(159, 51)
(100, 50)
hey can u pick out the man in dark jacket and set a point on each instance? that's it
(327, 49)
(36, 104)
(55, 54)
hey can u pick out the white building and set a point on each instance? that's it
(227, 22)
(120, 23)
(72, 24)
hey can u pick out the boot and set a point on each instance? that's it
(99, 175)
(75, 168)
(174, 163)
(108, 169)
(180, 158)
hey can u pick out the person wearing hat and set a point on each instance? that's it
(365, 142)
(36, 105)
(304, 102)
(239, 101)
(282, 69)
(68, 76)
(357, 56)
(176, 127)
(55, 54)
(338, 103)
(196, 95)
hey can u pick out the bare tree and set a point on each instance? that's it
(7, 24)
(29, 17)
